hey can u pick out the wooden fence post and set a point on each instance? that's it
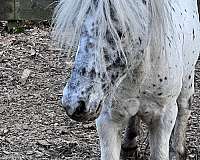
(26, 9)
(7, 9)
(34, 9)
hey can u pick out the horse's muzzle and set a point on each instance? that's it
(80, 112)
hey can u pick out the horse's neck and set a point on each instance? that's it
(154, 52)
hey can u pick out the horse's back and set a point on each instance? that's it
(172, 71)
(191, 33)
(191, 43)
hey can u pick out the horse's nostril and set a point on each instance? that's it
(81, 108)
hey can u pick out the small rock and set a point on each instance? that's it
(43, 143)
(29, 152)
(32, 52)
(63, 130)
(1, 53)
(9, 140)
(73, 144)
(2, 109)
(49, 132)
(3, 131)
(38, 154)
(191, 155)
(25, 127)
(9, 97)
(55, 49)
(25, 75)
(6, 152)
(89, 126)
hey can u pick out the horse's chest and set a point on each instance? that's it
(161, 81)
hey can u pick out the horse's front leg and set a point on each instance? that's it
(160, 128)
(109, 135)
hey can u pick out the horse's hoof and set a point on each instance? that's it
(172, 155)
(178, 156)
(182, 156)
(129, 153)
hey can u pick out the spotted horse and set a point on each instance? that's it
(134, 58)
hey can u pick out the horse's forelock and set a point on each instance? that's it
(131, 16)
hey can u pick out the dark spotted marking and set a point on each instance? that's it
(114, 76)
(154, 85)
(86, 47)
(160, 94)
(106, 88)
(109, 67)
(141, 51)
(193, 34)
(144, 2)
(84, 32)
(99, 75)
(172, 7)
(144, 92)
(72, 86)
(90, 45)
(89, 88)
(180, 26)
(83, 71)
(106, 55)
(112, 12)
(109, 38)
(119, 34)
(103, 75)
(103, 85)
(117, 74)
(160, 79)
(190, 102)
(165, 78)
(189, 77)
(140, 40)
(118, 63)
(92, 73)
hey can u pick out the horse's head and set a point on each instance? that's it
(94, 76)
(108, 33)
(83, 96)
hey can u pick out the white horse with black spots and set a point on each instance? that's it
(134, 58)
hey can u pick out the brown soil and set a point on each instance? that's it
(33, 125)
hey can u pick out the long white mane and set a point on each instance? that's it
(133, 19)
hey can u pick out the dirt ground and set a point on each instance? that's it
(33, 125)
